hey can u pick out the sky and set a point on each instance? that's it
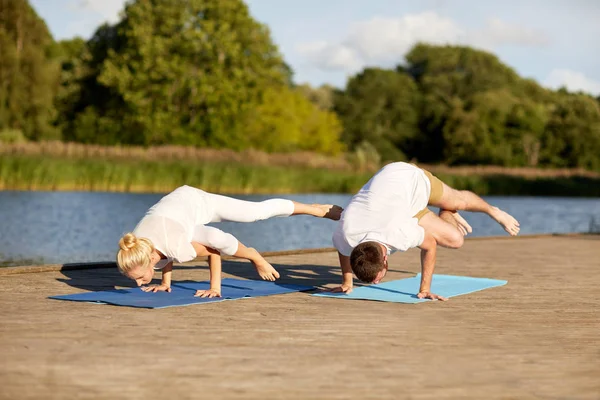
(555, 42)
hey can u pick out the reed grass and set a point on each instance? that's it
(45, 173)
(68, 166)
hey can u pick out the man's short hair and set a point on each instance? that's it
(367, 261)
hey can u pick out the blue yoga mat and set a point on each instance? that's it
(182, 294)
(405, 290)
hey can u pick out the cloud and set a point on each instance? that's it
(498, 33)
(380, 38)
(330, 57)
(85, 16)
(573, 80)
(384, 41)
(107, 10)
(379, 41)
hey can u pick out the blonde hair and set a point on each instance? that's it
(134, 252)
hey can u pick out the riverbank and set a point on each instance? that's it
(535, 337)
(55, 166)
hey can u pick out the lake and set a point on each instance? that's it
(65, 227)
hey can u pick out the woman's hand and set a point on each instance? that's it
(210, 293)
(157, 288)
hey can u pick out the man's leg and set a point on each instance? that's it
(459, 200)
(444, 229)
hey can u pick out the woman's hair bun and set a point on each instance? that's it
(128, 241)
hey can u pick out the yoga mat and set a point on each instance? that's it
(182, 294)
(405, 290)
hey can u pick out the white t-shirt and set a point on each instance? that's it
(171, 222)
(383, 210)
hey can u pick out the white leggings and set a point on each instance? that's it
(234, 210)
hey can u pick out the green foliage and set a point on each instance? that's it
(204, 73)
(380, 107)
(28, 74)
(72, 55)
(447, 76)
(11, 136)
(455, 71)
(198, 72)
(20, 172)
(285, 120)
(494, 127)
(322, 97)
(188, 71)
(463, 106)
(572, 135)
(48, 173)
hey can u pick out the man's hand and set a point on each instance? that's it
(347, 276)
(429, 295)
(210, 293)
(157, 288)
(344, 288)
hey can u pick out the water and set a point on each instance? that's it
(65, 227)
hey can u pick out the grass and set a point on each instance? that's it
(68, 166)
(32, 173)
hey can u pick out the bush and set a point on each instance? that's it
(12, 136)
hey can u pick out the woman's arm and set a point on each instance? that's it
(264, 269)
(165, 285)
(214, 266)
(166, 275)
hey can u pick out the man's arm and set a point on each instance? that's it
(347, 276)
(428, 257)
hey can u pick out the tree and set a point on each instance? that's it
(322, 97)
(380, 107)
(188, 71)
(71, 55)
(92, 112)
(446, 76)
(28, 73)
(494, 127)
(572, 135)
(284, 120)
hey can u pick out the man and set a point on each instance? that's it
(390, 214)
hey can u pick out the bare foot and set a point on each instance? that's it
(508, 222)
(266, 270)
(329, 211)
(462, 223)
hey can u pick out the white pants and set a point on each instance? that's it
(228, 209)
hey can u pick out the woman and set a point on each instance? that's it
(175, 229)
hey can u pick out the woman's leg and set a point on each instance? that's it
(227, 244)
(230, 209)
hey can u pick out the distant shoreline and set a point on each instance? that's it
(97, 175)
(57, 166)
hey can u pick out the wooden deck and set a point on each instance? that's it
(536, 338)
